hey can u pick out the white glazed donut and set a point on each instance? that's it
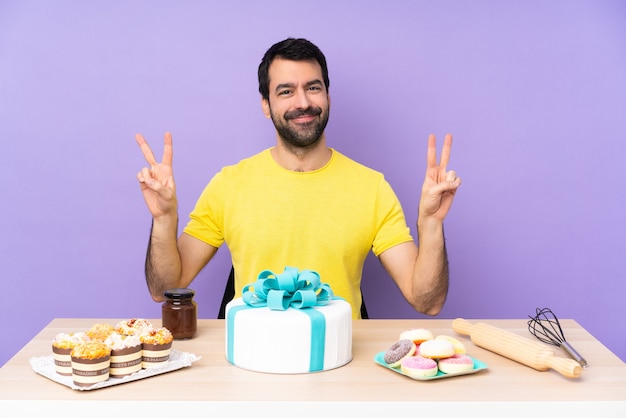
(417, 335)
(459, 348)
(436, 349)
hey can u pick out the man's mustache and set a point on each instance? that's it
(309, 111)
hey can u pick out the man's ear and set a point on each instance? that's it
(265, 105)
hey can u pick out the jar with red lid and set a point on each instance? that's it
(180, 313)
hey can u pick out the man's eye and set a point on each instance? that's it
(284, 92)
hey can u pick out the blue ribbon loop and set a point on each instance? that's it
(291, 288)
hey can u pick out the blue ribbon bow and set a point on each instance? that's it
(290, 288)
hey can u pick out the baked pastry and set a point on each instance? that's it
(436, 349)
(458, 363)
(156, 347)
(126, 354)
(90, 363)
(459, 348)
(417, 335)
(418, 366)
(398, 351)
(62, 345)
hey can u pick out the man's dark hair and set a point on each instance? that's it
(291, 49)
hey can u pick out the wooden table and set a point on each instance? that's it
(212, 386)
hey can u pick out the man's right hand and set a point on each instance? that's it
(157, 181)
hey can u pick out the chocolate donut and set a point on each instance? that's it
(399, 350)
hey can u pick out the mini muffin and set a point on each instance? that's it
(62, 345)
(90, 363)
(126, 354)
(157, 344)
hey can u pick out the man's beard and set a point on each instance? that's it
(302, 135)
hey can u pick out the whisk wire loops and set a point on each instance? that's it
(546, 327)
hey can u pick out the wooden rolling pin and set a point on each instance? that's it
(512, 346)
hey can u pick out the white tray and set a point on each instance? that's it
(45, 367)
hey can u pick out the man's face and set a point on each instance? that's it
(298, 101)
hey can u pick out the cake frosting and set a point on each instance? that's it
(133, 326)
(156, 336)
(118, 341)
(288, 323)
(100, 332)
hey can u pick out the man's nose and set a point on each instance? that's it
(301, 99)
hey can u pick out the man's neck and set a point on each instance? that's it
(301, 159)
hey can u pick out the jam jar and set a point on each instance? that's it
(179, 313)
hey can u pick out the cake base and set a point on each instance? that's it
(62, 360)
(155, 355)
(126, 361)
(289, 342)
(87, 372)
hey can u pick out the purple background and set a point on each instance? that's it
(534, 93)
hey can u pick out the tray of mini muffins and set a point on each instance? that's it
(111, 354)
(421, 355)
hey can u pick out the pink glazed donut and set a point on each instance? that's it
(458, 363)
(418, 366)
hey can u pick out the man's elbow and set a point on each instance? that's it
(428, 306)
(157, 297)
(433, 310)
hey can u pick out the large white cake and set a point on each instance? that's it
(289, 341)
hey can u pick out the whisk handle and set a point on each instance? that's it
(574, 354)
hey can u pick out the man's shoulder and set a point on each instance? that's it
(251, 162)
(350, 164)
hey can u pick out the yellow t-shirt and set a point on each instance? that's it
(325, 220)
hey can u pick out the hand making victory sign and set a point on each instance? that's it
(439, 185)
(157, 181)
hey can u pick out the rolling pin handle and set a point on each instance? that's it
(462, 326)
(567, 367)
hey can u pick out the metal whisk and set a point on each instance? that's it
(547, 328)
